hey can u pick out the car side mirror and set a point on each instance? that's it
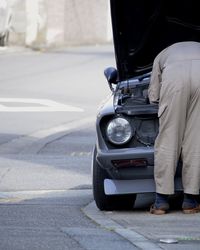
(111, 76)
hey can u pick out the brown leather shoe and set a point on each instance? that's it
(192, 210)
(158, 211)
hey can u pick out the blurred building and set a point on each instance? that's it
(47, 23)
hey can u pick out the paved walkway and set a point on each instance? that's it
(147, 231)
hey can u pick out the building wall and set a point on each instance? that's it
(46, 23)
(55, 22)
(86, 21)
(18, 21)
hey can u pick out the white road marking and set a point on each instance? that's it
(32, 105)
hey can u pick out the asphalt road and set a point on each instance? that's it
(71, 78)
(48, 104)
(45, 97)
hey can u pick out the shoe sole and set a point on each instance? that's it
(157, 211)
(192, 210)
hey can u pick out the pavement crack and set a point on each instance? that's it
(4, 174)
(52, 141)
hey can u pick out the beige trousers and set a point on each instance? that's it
(179, 127)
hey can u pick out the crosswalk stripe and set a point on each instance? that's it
(35, 105)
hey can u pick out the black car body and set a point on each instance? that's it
(127, 124)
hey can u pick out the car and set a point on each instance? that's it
(127, 124)
(5, 21)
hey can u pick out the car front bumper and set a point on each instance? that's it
(106, 158)
(132, 179)
(119, 187)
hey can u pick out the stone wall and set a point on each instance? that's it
(46, 23)
(55, 22)
(18, 22)
(86, 21)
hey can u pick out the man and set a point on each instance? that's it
(175, 84)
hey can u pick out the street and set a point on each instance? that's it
(48, 104)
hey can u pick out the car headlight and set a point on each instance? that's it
(119, 131)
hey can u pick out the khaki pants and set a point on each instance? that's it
(179, 127)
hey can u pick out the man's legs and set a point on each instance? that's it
(168, 147)
(179, 130)
(191, 144)
(174, 99)
(168, 143)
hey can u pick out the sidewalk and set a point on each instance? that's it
(13, 49)
(146, 231)
(82, 49)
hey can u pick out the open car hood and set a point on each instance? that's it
(142, 28)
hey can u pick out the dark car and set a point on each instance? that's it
(127, 125)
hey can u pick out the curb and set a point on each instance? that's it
(13, 49)
(138, 240)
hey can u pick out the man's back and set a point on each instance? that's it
(179, 52)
